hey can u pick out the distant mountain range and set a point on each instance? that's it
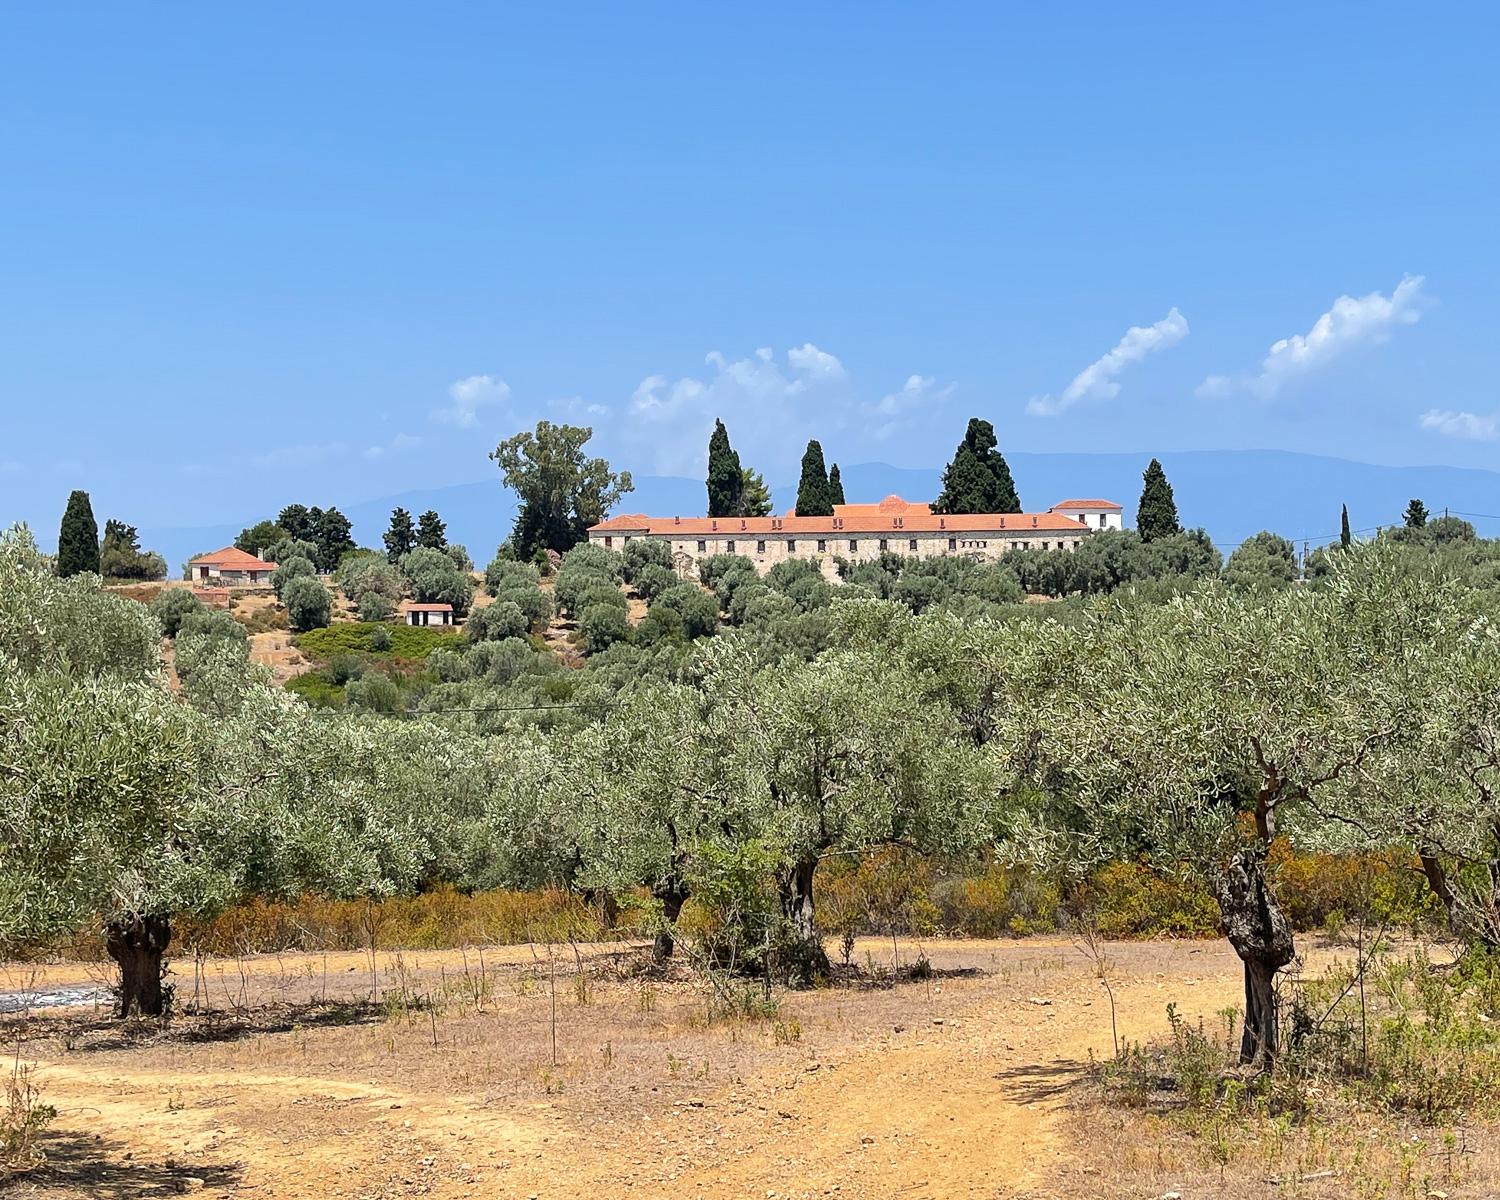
(1231, 493)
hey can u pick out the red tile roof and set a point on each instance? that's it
(429, 608)
(1017, 524)
(233, 558)
(1088, 504)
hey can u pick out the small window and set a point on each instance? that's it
(883, 546)
(760, 547)
(791, 545)
(608, 542)
(1025, 545)
(822, 546)
(953, 543)
(853, 545)
(1101, 520)
(731, 547)
(1046, 545)
(702, 546)
(911, 545)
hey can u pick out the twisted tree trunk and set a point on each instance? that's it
(803, 955)
(137, 942)
(673, 894)
(1262, 937)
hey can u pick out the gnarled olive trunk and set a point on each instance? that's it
(802, 955)
(1473, 918)
(673, 894)
(1262, 937)
(137, 942)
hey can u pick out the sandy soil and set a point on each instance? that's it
(953, 1086)
(294, 1085)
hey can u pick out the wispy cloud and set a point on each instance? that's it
(1350, 322)
(469, 396)
(402, 441)
(1462, 424)
(1097, 380)
(919, 392)
(296, 456)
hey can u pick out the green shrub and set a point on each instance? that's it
(317, 689)
(172, 606)
(295, 567)
(602, 593)
(588, 557)
(698, 610)
(405, 641)
(374, 692)
(641, 553)
(308, 603)
(504, 573)
(602, 626)
(496, 622)
(652, 580)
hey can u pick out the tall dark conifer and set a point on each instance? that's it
(812, 488)
(401, 537)
(432, 532)
(835, 486)
(1345, 538)
(725, 475)
(78, 537)
(1157, 515)
(978, 480)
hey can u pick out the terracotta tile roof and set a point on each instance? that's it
(1015, 524)
(1113, 507)
(234, 559)
(429, 608)
(891, 506)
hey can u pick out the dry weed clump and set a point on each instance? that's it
(22, 1122)
(1386, 1065)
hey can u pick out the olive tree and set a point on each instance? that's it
(1200, 731)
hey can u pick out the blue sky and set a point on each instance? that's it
(326, 253)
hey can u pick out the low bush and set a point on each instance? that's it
(406, 641)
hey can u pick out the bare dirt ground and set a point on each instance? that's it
(965, 1084)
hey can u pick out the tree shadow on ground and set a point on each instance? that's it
(1030, 1083)
(94, 1032)
(90, 1165)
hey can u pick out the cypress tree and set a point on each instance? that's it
(78, 537)
(978, 480)
(432, 532)
(1157, 515)
(725, 476)
(1345, 538)
(401, 537)
(812, 488)
(835, 486)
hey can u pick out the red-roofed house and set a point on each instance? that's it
(858, 532)
(231, 566)
(1096, 514)
(429, 614)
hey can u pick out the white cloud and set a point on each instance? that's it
(469, 396)
(1349, 322)
(918, 392)
(817, 363)
(767, 412)
(1097, 380)
(402, 441)
(1462, 424)
(296, 456)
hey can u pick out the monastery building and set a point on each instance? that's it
(863, 532)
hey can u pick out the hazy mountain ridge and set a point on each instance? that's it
(1231, 493)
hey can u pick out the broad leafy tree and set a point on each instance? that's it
(755, 496)
(978, 480)
(562, 492)
(259, 536)
(332, 536)
(121, 556)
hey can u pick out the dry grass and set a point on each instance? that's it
(284, 1076)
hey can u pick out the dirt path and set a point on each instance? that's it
(950, 1088)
